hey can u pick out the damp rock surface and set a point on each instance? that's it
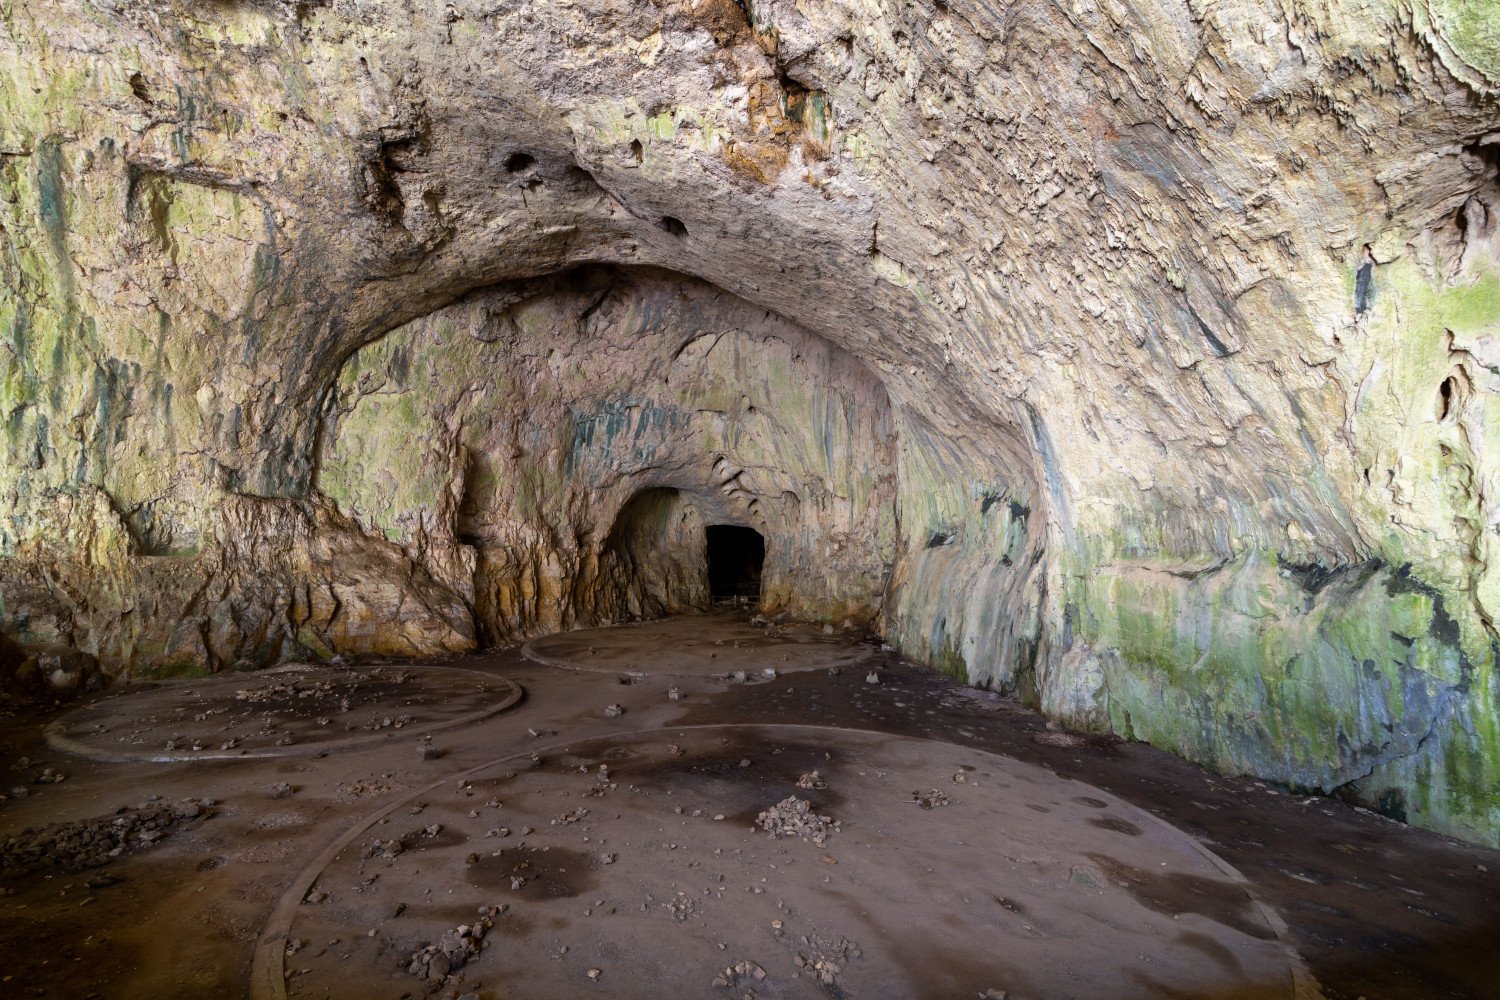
(1135, 359)
(645, 891)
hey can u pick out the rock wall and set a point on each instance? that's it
(1183, 316)
(553, 451)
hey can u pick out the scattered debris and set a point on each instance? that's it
(811, 780)
(794, 817)
(388, 849)
(88, 843)
(930, 799)
(825, 958)
(571, 816)
(734, 974)
(673, 694)
(436, 963)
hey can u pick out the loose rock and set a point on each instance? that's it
(794, 817)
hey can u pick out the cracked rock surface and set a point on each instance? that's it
(1137, 358)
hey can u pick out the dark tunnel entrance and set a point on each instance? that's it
(735, 557)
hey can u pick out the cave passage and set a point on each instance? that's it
(735, 557)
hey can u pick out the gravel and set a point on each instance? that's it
(794, 817)
(89, 843)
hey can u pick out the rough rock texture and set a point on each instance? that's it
(553, 453)
(1155, 344)
(89, 843)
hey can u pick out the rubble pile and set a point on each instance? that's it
(825, 958)
(455, 949)
(794, 817)
(88, 843)
(930, 799)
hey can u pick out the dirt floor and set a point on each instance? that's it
(575, 838)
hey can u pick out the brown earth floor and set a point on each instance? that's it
(1375, 909)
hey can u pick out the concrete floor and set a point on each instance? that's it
(1025, 881)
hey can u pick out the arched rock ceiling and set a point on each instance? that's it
(1181, 280)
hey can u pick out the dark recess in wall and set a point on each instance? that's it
(735, 558)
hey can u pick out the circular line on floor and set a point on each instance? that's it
(57, 737)
(268, 968)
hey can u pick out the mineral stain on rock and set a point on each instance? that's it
(1177, 892)
(533, 873)
(1115, 824)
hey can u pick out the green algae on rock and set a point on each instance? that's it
(1138, 359)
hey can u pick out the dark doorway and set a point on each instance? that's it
(735, 556)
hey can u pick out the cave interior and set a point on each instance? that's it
(800, 499)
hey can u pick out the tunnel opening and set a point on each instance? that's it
(652, 562)
(736, 556)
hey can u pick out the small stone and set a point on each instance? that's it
(673, 694)
(613, 712)
(872, 678)
(280, 791)
(594, 974)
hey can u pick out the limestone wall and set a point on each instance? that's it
(1185, 314)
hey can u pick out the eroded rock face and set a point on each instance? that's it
(1135, 357)
(554, 451)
